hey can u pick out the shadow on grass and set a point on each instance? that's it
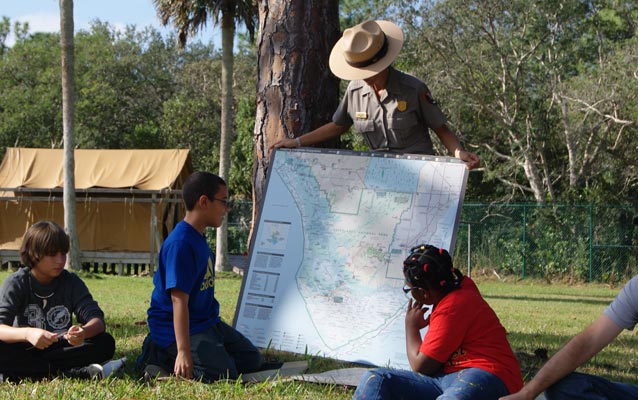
(546, 299)
(615, 362)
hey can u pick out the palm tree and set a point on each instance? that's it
(188, 16)
(68, 98)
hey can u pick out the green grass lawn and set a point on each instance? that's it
(536, 315)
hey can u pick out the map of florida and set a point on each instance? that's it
(360, 216)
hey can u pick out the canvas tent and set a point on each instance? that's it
(127, 200)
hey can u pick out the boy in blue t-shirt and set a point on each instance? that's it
(186, 334)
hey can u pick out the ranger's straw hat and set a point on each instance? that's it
(366, 49)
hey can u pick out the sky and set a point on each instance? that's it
(44, 15)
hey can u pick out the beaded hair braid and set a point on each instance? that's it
(430, 267)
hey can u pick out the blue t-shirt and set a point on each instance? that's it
(185, 263)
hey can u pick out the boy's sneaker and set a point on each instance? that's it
(107, 369)
(152, 371)
(79, 372)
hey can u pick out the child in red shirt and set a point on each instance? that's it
(464, 353)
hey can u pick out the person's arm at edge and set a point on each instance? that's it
(184, 360)
(578, 350)
(452, 144)
(324, 132)
(414, 322)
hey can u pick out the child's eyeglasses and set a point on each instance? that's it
(227, 203)
(407, 290)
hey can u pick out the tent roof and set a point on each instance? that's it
(140, 169)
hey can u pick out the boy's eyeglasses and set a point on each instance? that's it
(227, 203)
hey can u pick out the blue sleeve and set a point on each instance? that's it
(181, 267)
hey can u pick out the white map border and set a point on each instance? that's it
(345, 302)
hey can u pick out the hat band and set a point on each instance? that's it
(379, 55)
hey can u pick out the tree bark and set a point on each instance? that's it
(296, 92)
(68, 98)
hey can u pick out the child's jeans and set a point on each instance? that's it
(471, 383)
(590, 387)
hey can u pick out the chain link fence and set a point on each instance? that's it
(239, 222)
(578, 242)
(592, 243)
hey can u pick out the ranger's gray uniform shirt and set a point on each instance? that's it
(398, 121)
(624, 309)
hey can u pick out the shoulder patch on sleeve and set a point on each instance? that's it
(427, 96)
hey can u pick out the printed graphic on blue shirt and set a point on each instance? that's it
(209, 278)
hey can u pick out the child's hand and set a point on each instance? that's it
(414, 317)
(40, 338)
(75, 335)
(183, 365)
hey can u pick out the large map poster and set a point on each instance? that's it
(325, 269)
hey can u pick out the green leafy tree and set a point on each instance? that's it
(530, 83)
(353, 12)
(20, 30)
(120, 97)
(241, 153)
(186, 124)
(5, 29)
(31, 101)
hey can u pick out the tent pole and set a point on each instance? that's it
(152, 248)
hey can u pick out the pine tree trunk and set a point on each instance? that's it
(296, 92)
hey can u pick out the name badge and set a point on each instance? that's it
(361, 115)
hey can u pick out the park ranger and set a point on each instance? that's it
(389, 108)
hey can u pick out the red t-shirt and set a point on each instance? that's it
(464, 332)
